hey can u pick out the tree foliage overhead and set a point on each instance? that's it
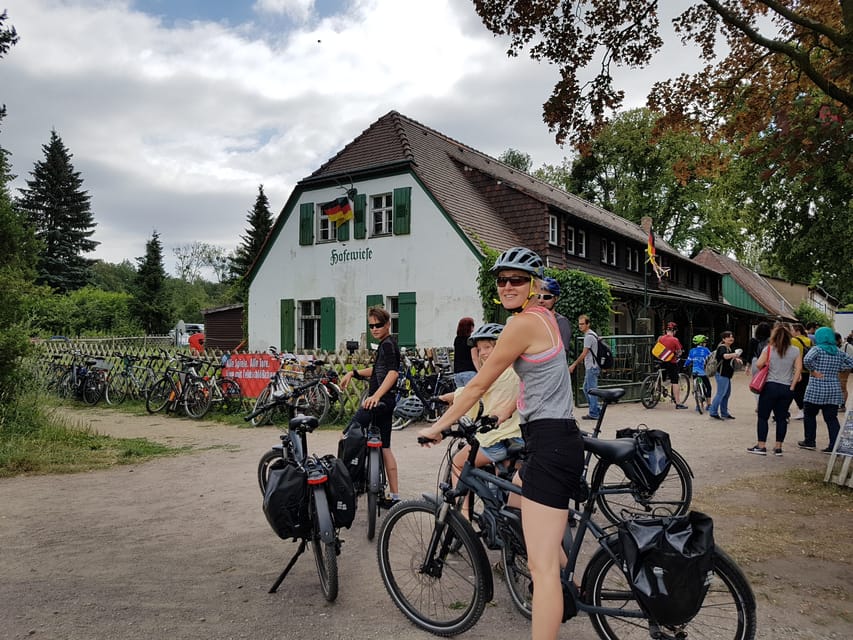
(58, 209)
(777, 49)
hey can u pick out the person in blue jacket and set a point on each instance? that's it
(696, 361)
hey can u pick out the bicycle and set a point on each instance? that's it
(225, 393)
(436, 570)
(417, 392)
(183, 388)
(314, 399)
(130, 379)
(655, 387)
(293, 450)
(699, 394)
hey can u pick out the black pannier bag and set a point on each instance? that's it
(652, 460)
(669, 563)
(286, 502)
(352, 449)
(340, 491)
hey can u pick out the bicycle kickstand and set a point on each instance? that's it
(289, 566)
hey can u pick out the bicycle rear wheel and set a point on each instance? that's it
(325, 553)
(197, 399)
(728, 612)
(683, 387)
(517, 574)
(650, 392)
(672, 497)
(116, 390)
(263, 398)
(270, 461)
(444, 594)
(93, 388)
(314, 402)
(699, 395)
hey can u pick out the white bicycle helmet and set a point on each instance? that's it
(522, 259)
(409, 408)
(489, 331)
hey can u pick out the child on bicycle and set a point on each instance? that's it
(696, 357)
(499, 400)
(382, 378)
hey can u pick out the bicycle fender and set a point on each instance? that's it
(326, 529)
(374, 481)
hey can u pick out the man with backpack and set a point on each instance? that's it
(668, 358)
(590, 365)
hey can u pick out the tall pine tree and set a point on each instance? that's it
(150, 303)
(260, 223)
(58, 210)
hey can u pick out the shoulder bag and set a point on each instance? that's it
(756, 385)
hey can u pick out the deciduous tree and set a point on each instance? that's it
(58, 209)
(776, 49)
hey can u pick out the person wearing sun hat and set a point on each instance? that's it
(823, 393)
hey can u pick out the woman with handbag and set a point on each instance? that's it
(779, 368)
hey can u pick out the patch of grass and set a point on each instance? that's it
(34, 441)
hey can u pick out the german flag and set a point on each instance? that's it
(338, 211)
(650, 248)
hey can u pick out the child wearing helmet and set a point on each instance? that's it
(696, 361)
(499, 400)
(531, 344)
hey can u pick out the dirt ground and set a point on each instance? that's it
(179, 548)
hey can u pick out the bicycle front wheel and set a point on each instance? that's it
(728, 612)
(263, 399)
(699, 395)
(683, 387)
(444, 593)
(650, 392)
(232, 396)
(116, 390)
(159, 395)
(621, 499)
(93, 388)
(197, 399)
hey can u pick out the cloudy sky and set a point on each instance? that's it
(176, 110)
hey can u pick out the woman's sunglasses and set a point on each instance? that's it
(377, 325)
(515, 281)
(546, 296)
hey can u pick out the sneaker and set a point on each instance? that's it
(728, 417)
(589, 417)
(804, 444)
(827, 450)
(777, 452)
(711, 415)
(697, 410)
(681, 406)
(799, 416)
(759, 451)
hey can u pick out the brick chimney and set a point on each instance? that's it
(646, 224)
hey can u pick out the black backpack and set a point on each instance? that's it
(669, 563)
(352, 451)
(652, 458)
(286, 502)
(603, 355)
(339, 491)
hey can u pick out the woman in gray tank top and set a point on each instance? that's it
(531, 344)
(786, 364)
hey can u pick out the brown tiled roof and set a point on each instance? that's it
(454, 173)
(756, 286)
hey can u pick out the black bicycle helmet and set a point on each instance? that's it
(521, 259)
(489, 331)
(409, 408)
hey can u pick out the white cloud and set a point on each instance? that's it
(174, 127)
(298, 9)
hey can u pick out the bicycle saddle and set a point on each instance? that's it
(610, 450)
(304, 424)
(608, 395)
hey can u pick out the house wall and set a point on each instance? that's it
(433, 261)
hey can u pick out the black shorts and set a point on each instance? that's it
(671, 371)
(554, 464)
(382, 417)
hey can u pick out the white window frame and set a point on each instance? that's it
(608, 251)
(392, 306)
(553, 230)
(580, 243)
(381, 216)
(308, 323)
(326, 229)
(632, 261)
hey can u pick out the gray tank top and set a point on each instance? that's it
(782, 367)
(545, 386)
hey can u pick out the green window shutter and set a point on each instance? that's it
(408, 318)
(327, 324)
(288, 325)
(343, 232)
(402, 211)
(359, 231)
(373, 300)
(306, 223)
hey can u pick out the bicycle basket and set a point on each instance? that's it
(652, 457)
(286, 502)
(669, 564)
